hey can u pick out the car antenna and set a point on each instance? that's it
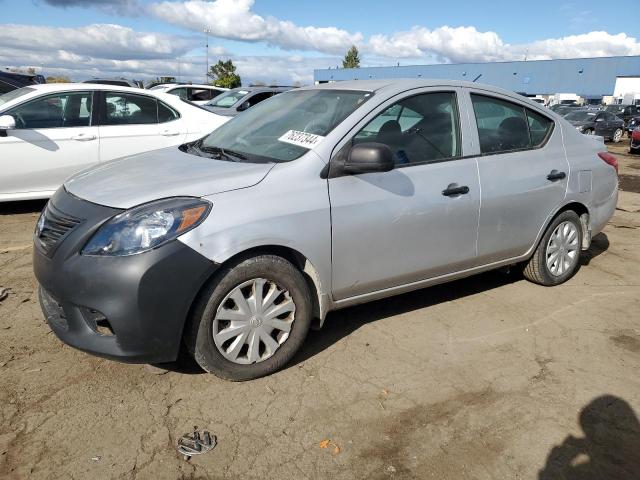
(475, 79)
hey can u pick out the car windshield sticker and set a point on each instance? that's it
(301, 139)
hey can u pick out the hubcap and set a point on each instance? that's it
(617, 136)
(562, 249)
(253, 321)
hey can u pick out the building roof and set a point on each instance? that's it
(588, 77)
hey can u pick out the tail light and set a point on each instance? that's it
(636, 134)
(609, 159)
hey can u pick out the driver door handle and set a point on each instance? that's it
(556, 175)
(83, 138)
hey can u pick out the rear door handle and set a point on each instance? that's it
(169, 133)
(454, 189)
(84, 138)
(556, 175)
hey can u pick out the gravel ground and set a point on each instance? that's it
(489, 377)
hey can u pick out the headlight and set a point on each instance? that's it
(147, 226)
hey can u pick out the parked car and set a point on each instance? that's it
(592, 122)
(565, 109)
(11, 81)
(49, 132)
(624, 112)
(118, 82)
(238, 100)
(633, 124)
(635, 141)
(198, 94)
(314, 200)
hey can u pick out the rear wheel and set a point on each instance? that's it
(251, 320)
(557, 257)
(617, 135)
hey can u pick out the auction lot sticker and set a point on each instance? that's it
(301, 139)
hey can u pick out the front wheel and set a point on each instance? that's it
(251, 320)
(617, 135)
(557, 257)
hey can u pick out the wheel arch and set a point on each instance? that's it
(319, 297)
(580, 209)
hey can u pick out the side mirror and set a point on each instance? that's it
(369, 157)
(244, 106)
(7, 122)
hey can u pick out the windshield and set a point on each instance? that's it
(615, 108)
(228, 99)
(276, 129)
(12, 95)
(580, 116)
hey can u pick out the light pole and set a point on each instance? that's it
(207, 31)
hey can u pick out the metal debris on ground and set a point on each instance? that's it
(4, 293)
(196, 444)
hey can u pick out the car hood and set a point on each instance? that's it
(131, 181)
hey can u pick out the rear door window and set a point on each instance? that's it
(129, 109)
(504, 126)
(539, 127)
(166, 113)
(202, 94)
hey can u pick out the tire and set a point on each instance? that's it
(617, 135)
(589, 131)
(537, 270)
(214, 301)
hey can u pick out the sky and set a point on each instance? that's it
(282, 41)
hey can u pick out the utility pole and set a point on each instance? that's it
(207, 31)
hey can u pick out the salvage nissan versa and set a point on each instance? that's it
(314, 200)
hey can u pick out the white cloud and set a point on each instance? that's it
(466, 44)
(593, 44)
(234, 19)
(98, 40)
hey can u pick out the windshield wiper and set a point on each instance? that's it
(220, 152)
(233, 153)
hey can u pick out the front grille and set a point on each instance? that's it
(53, 227)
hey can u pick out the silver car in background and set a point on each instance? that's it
(314, 200)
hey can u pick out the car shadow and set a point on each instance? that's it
(342, 323)
(24, 206)
(599, 245)
(609, 449)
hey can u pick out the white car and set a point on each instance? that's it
(198, 94)
(49, 132)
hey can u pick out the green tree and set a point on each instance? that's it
(224, 74)
(352, 58)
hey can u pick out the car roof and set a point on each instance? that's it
(196, 85)
(58, 87)
(402, 84)
(254, 89)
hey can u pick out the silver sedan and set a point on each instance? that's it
(314, 200)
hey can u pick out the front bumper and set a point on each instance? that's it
(131, 309)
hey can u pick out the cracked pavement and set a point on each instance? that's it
(487, 377)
